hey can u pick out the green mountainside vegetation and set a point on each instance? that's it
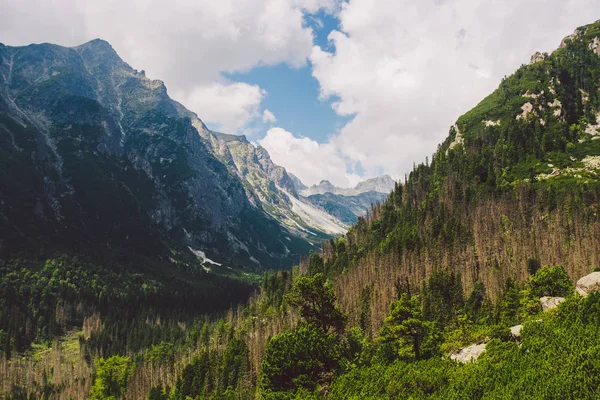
(505, 212)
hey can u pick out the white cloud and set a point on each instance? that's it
(307, 159)
(186, 43)
(408, 69)
(404, 69)
(230, 106)
(268, 117)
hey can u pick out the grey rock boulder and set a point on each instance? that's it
(588, 284)
(469, 354)
(549, 302)
(516, 330)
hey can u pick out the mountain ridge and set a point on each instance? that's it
(382, 184)
(67, 92)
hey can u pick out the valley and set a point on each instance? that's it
(146, 256)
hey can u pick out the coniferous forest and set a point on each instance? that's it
(462, 284)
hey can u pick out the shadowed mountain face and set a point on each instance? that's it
(96, 158)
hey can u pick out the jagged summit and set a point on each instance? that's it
(227, 137)
(382, 184)
(97, 44)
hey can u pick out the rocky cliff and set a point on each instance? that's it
(98, 158)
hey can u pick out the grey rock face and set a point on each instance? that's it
(323, 187)
(537, 57)
(347, 208)
(269, 186)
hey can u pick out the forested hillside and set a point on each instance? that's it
(504, 213)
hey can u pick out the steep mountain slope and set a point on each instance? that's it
(98, 159)
(516, 181)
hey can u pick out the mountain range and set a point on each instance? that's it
(97, 158)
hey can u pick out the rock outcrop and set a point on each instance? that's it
(516, 330)
(572, 36)
(588, 284)
(470, 353)
(595, 45)
(549, 302)
(537, 57)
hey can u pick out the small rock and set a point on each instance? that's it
(588, 284)
(516, 330)
(548, 302)
(537, 57)
(470, 353)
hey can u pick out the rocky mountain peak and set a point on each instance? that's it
(382, 184)
(98, 45)
(99, 53)
(226, 137)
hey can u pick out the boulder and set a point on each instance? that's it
(588, 284)
(537, 57)
(548, 302)
(468, 354)
(516, 330)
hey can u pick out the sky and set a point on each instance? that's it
(333, 89)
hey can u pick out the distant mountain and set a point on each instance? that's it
(382, 184)
(347, 208)
(97, 159)
(346, 205)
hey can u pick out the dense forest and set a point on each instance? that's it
(504, 213)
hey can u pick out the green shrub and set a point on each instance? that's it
(551, 281)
